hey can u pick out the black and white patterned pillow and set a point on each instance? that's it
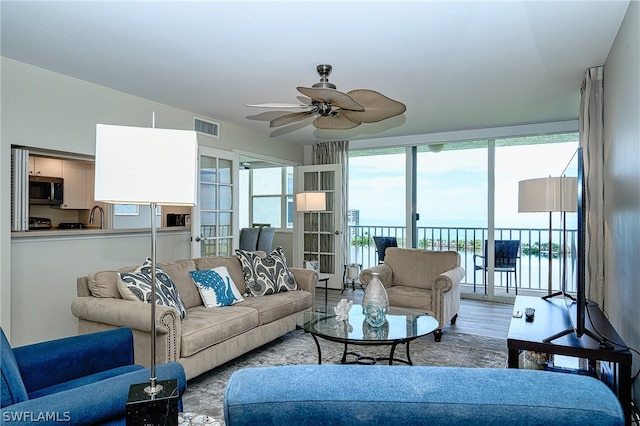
(136, 286)
(267, 275)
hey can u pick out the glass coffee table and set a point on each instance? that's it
(402, 326)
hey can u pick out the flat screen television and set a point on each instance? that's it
(577, 303)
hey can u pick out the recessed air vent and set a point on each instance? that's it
(207, 127)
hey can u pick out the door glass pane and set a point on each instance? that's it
(207, 196)
(225, 170)
(208, 169)
(376, 201)
(225, 225)
(226, 197)
(520, 159)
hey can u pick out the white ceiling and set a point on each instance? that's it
(455, 65)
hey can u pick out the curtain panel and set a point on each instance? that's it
(338, 153)
(592, 143)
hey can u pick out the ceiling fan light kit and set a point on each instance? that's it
(337, 110)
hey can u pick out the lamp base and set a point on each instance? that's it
(160, 409)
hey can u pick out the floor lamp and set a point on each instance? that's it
(146, 166)
(309, 202)
(550, 194)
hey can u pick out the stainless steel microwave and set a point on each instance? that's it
(45, 190)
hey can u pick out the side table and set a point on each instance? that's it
(324, 278)
(551, 317)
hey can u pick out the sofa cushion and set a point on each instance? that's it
(419, 268)
(216, 287)
(232, 263)
(12, 389)
(179, 273)
(266, 275)
(275, 306)
(136, 285)
(205, 327)
(105, 283)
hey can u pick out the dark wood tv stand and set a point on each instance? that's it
(551, 317)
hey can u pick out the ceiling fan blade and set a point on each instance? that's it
(334, 122)
(332, 96)
(290, 118)
(378, 107)
(279, 105)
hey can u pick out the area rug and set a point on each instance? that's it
(204, 393)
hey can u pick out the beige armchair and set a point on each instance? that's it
(424, 280)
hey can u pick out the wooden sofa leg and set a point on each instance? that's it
(437, 335)
(453, 320)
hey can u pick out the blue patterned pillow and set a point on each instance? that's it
(136, 286)
(216, 287)
(267, 275)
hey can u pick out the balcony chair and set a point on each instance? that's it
(81, 379)
(382, 243)
(507, 253)
(424, 280)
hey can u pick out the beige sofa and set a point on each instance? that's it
(205, 337)
(424, 280)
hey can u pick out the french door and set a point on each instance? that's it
(317, 233)
(214, 220)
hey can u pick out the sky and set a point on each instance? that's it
(452, 185)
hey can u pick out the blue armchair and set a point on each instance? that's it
(76, 380)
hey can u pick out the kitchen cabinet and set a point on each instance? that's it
(45, 166)
(78, 184)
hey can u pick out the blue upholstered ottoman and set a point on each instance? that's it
(403, 395)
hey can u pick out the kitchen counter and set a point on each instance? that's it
(91, 232)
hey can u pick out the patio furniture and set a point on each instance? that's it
(507, 253)
(382, 243)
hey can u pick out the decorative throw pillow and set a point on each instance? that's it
(266, 275)
(216, 287)
(136, 286)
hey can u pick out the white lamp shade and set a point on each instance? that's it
(311, 201)
(550, 194)
(136, 165)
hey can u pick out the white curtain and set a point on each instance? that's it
(592, 143)
(337, 153)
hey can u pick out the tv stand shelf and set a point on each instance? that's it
(552, 318)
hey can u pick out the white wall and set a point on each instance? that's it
(44, 272)
(52, 111)
(622, 182)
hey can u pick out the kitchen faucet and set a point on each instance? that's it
(91, 216)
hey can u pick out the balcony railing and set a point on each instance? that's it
(532, 266)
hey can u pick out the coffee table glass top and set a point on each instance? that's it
(401, 325)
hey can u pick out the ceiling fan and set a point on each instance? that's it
(336, 110)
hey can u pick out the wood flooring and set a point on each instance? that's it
(475, 316)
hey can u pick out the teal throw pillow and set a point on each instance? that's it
(216, 287)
